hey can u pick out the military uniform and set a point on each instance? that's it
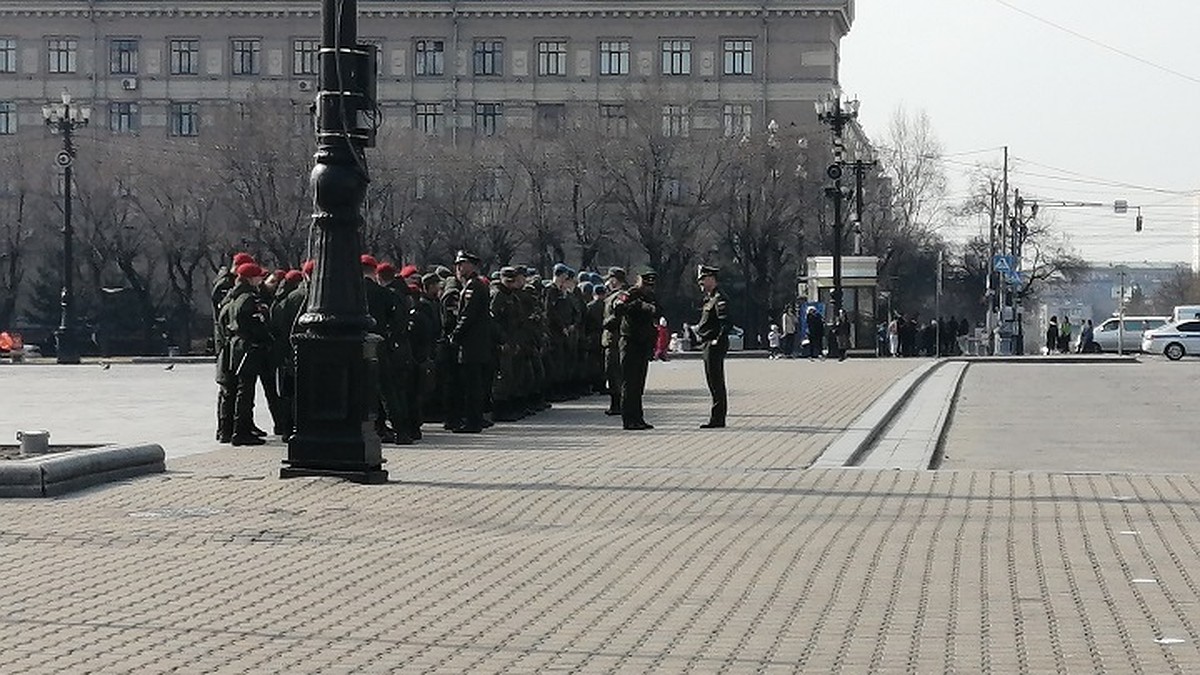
(637, 312)
(381, 306)
(283, 318)
(471, 340)
(713, 331)
(245, 326)
(610, 341)
(507, 319)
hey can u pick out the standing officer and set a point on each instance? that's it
(637, 312)
(245, 326)
(610, 340)
(282, 318)
(471, 341)
(713, 331)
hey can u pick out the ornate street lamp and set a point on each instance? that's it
(837, 113)
(65, 119)
(336, 361)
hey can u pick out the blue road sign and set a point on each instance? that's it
(1004, 264)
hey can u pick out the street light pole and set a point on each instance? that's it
(837, 113)
(337, 368)
(65, 118)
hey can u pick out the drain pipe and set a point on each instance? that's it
(454, 78)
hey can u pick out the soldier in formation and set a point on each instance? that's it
(455, 347)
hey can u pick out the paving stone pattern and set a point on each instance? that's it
(669, 551)
(1141, 417)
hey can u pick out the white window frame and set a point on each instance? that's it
(614, 57)
(552, 58)
(676, 57)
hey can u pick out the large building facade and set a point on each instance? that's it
(457, 70)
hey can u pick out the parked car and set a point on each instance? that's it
(1174, 340)
(1108, 332)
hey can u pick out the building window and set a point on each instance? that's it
(614, 119)
(676, 57)
(62, 55)
(123, 118)
(673, 188)
(123, 57)
(489, 57)
(8, 55)
(738, 118)
(185, 57)
(552, 58)
(431, 57)
(8, 118)
(304, 56)
(739, 57)
(550, 119)
(185, 119)
(246, 56)
(488, 118)
(429, 118)
(614, 57)
(675, 121)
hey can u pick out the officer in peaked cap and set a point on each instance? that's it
(637, 311)
(713, 331)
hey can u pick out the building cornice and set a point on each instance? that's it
(842, 9)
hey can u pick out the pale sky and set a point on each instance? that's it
(1078, 118)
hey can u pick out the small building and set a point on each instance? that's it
(860, 292)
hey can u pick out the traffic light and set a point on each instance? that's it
(1139, 223)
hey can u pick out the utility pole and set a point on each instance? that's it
(1003, 298)
(65, 119)
(988, 265)
(337, 368)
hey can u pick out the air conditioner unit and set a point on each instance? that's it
(129, 84)
(305, 85)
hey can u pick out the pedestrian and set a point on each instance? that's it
(1087, 336)
(893, 336)
(713, 329)
(1064, 335)
(815, 336)
(841, 334)
(787, 324)
(636, 308)
(662, 340)
(774, 342)
(1052, 336)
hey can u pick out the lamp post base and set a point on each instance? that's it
(64, 348)
(335, 406)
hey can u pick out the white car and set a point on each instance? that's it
(1174, 340)
(1106, 334)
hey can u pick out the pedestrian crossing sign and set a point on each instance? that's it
(1004, 264)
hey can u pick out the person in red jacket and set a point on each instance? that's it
(663, 341)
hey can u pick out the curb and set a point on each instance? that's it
(848, 449)
(1049, 360)
(58, 474)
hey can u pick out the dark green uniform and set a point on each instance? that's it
(244, 321)
(472, 339)
(610, 341)
(713, 331)
(507, 320)
(637, 312)
(381, 306)
(284, 315)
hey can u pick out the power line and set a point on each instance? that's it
(1099, 43)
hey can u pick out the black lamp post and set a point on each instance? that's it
(65, 119)
(336, 360)
(837, 113)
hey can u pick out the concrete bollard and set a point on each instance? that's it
(34, 442)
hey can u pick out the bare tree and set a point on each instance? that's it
(265, 159)
(23, 213)
(912, 160)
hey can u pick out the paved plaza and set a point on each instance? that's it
(562, 544)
